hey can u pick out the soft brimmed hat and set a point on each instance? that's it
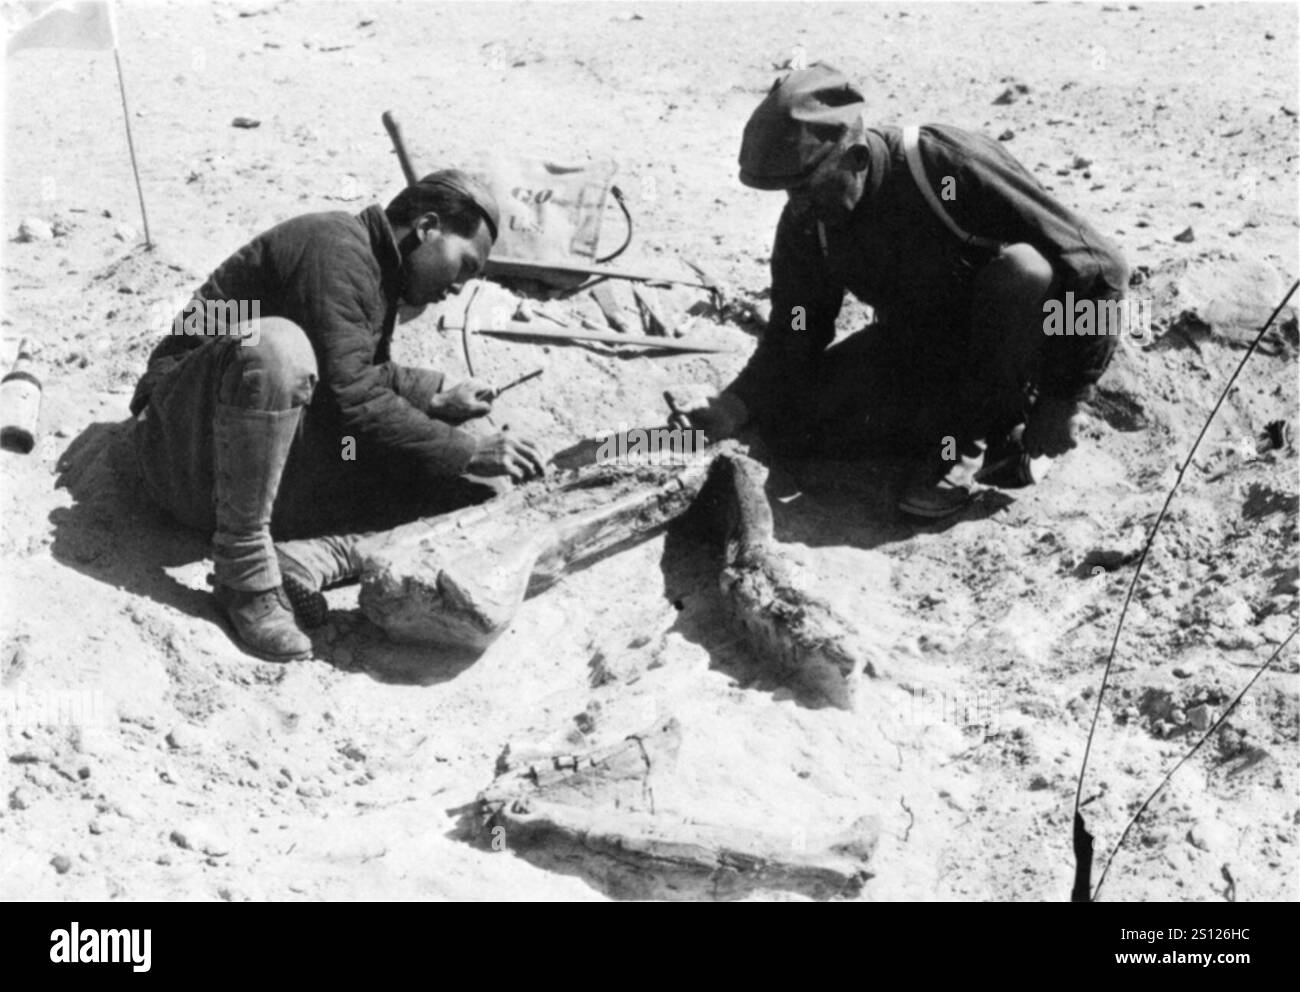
(456, 181)
(800, 121)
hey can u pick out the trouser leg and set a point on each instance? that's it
(175, 434)
(1004, 348)
(261, 393)
(1001, 353)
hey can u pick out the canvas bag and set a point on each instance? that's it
(549, 212)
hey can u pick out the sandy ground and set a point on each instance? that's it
(147, 757)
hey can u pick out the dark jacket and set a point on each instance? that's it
(337, 276)
(895, 255)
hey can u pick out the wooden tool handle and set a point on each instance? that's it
(395, 133)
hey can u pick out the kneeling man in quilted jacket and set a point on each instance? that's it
(296, 423)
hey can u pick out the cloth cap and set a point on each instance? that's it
(798, 124)
(456, 181)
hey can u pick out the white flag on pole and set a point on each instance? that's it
(85, 24)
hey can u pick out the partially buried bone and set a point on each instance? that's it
(458, 580)
(785, 625)
(595, 812)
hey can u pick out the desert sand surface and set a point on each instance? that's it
(145, 756)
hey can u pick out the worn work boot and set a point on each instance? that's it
(251, 448)
(940, 487)
(1007, 464)
(309, 567)
(264, 622)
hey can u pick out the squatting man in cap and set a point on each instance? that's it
(302, 425)
(958, 362)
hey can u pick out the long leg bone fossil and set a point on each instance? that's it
(458, 581)
(595, 812)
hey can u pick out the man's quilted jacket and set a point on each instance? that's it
(337, 276)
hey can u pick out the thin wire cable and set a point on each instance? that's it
(1146, 547)
(1208, 734)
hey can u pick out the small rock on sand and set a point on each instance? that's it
(198, 835)
(1207, 835)
(1200, 717)
(183, 737)
(34, 229)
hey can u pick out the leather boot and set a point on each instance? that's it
(941, 487)
(251, 448)
(1008, 465)
(309, 567)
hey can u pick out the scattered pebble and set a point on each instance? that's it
(1237, 613)
(1011, 94)
(1187, 236)
(183, 737)
(1184, 673)
(1080, 162)
(198, 835)
(61, 863)
(1206, 835)
(1200, 717)
(1177, 717)
(1239, 640)
(246, 122)
(1275, 628)
(34, 229)
(1038, 783)
(1006, 135)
